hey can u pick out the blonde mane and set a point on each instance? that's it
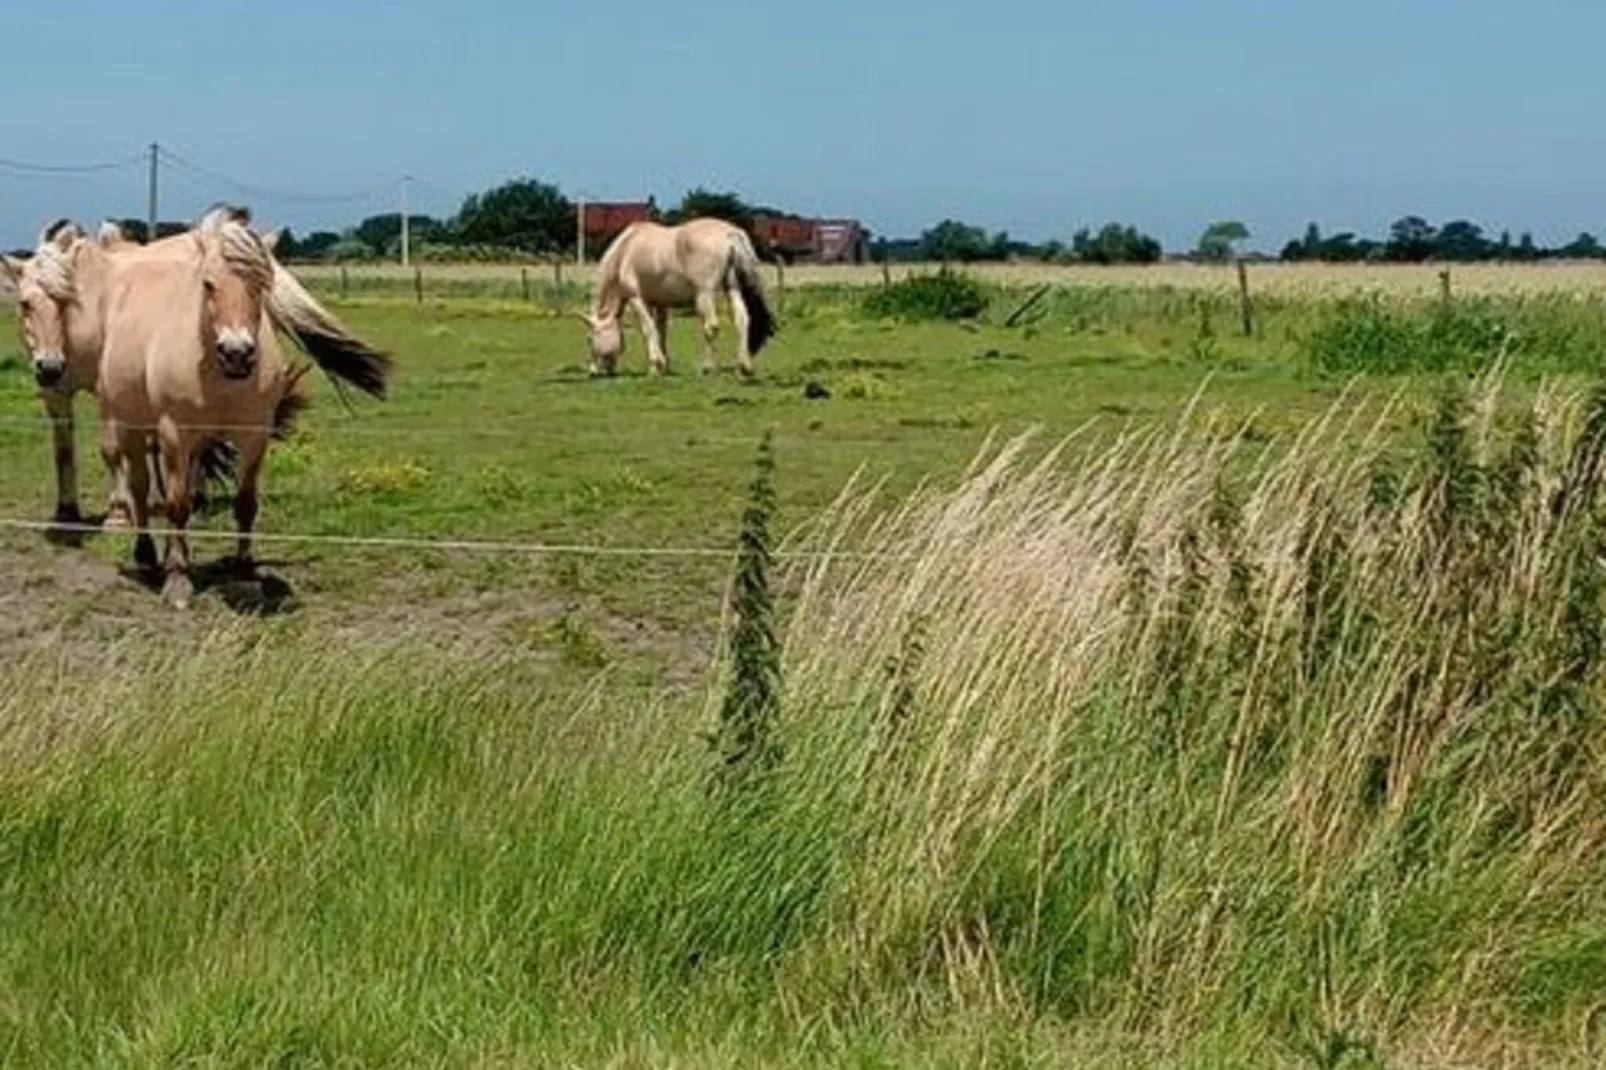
(52, 261)
(238, 245)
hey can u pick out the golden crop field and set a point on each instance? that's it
(1277, 278)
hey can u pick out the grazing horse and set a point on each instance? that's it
(654, 268)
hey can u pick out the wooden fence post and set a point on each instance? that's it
(1246, 305)
(524, 282)
(1444, 287)
(886, 273)
(343, 282)
(780, 284)
(418, 284)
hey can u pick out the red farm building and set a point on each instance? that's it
(822, 241)
(604, 220)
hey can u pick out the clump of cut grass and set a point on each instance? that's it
(942, 295)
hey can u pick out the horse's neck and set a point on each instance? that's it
(610, 294)
(86, 326)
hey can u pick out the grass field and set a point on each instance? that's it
(1258, 729)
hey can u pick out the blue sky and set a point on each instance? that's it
(1036, 117)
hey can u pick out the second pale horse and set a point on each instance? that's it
(654, 268)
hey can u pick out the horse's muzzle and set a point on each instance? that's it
(49, 369)
(237, 358)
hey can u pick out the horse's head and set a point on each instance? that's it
(236, 274)
(44, 286)
(607, 341)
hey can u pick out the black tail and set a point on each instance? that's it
(346, 358)
(760, 321)
(291, 404)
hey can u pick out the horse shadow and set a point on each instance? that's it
(250, 592)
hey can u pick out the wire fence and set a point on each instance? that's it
(443, 545)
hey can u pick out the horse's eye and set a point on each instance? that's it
(26, 307)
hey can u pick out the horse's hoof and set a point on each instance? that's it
(177, 590)
(118, 517)
(145, 553)
(67, 513)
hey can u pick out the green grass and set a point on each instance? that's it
(1145, 757)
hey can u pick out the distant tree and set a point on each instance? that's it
(1313, 240)
(1504, 249)
(522, 214)
(349, 247)
(1526, 249)
(1583, 247)
(382, 233)
(705, 203)
(1410, 239)
(314, 246)
(953, 240)
(1461, 240)
(1115, 244)
(1219, 241)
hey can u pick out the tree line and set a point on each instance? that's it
(1413, 239)
(528, 218)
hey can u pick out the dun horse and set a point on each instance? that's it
(189, 350)
(654, 268)
(60, 312)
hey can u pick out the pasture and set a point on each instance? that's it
(1135, 759)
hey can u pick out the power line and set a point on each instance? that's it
(251, 189)
(30, 168)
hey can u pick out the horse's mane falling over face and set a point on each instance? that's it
(46, 284)
(237, 273)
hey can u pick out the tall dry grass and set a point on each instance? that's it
(1189, 750)
(1184, 731)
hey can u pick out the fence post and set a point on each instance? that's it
(343, 282)
(780, 283)
(886, 273)
(418, 284)
(1444, 287)
(524, 282)
(1246, 305)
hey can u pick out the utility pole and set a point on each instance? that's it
(150, 217)
(405, 234)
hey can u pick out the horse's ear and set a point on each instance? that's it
(63, 234)
(110, 236)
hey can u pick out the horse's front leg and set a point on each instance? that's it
(648, 318)
(114, 451)
(175, 463)
(127, 453)
(58, 406)
(252, 450)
